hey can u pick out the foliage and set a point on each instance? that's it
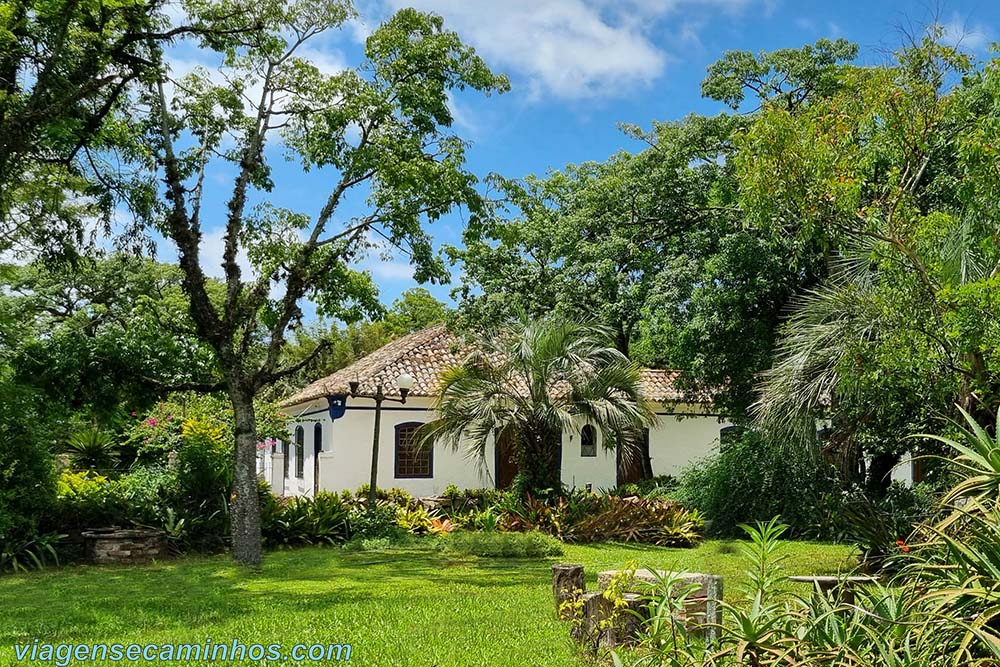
(653, 521)
(416, 520)
(92, 449)
(68, 67)
(379, 522)
(99, 337)
(534, 380)
(660, 486)
(895, 173)
(27, 479)
(87, 500)
(33, 554)
(531, 544)
(590, 517)
(938, 606)
(303, 520)
(883, 527)
(753, 478)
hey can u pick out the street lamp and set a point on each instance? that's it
(404, 383)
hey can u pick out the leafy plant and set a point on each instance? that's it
(530, 544)
(93, 449)
(303, 520)
(754, 478)
(378, 522)
(33, 554)
(661, 522)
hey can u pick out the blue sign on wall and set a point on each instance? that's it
(338, 405)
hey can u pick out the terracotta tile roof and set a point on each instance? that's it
(424, 355)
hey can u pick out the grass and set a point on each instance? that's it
(408, 607)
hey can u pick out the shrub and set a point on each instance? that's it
(415, 520)
(880, 527)
(590, 517)
(87, 500)
(393, 496)
(754, 479)
(204, 478)
(302, 520)
(532, 544)
(27, 476)
(378, 522)
(93, 449)
(661, 486)
(150, 491)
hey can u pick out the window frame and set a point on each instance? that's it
(429, 451)
(300, 452)
(588, 428)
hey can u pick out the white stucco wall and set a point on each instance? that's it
(347, 444)
(682, 437)
(578, 471)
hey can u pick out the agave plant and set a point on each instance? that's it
(93, 449)
(978, 466)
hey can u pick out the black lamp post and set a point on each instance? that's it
(404, 383)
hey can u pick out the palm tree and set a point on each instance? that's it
(533, 380)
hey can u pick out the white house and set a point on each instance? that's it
(330, 445)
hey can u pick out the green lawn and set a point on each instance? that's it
(414, 607)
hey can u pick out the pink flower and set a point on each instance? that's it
(152, 421)
(133, 413)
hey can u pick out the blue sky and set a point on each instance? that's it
(579, 67)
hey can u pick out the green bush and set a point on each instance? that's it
(87, 500)
(661, 486)
(150, 491)
(754, 479)
(302, 520)
(27, 477)
(531, 544)
(381, 521)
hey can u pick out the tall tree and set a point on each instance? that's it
(99, 337)
(379, 130)
(67, 68)
(898, 170)
(656, 244)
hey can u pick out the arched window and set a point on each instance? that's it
(300, 451)
(588, 441)
(412, 460)
(318, 438)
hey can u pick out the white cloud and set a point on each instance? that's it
(961, 33)
(575, 48)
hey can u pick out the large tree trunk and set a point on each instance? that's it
(245, 504)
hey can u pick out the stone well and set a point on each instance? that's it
(124, 545)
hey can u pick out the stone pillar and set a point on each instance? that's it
(567, 585)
